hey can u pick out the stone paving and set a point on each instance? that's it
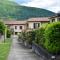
(19, 52)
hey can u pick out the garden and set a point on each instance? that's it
(44, 41)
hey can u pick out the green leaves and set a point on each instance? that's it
(52, 37)
(2, 27)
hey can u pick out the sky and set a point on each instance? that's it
(52, 5)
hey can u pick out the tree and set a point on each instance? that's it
(2, 27)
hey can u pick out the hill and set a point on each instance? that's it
(9, 9)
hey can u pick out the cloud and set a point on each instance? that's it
(53, 5)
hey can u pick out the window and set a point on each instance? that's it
(20, 27)
(36, 25)
(15, 27)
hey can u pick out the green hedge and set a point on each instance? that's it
(52, 38)
(39, 36)
(48, 37)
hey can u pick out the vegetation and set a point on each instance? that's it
(48, 37)
(52, 38)
(30, 37)
(39, 36)
(27, 37)
(4, 49)
(12, 10)
(2, 27)
(9, 33)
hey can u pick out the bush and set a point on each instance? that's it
(23, 36)
(27, 37)
(30, 37)
(39, 37)
(8, 33)
(2, 27)
(52, 38)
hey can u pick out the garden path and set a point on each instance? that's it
(19, 52)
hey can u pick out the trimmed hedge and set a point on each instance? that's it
(52, 38)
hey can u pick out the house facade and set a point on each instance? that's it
(33, 23)
(36, 23)
(16, 26)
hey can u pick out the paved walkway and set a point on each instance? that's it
(19, 52)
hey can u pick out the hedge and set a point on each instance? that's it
(52, 38)
(39, 36)
(48, 37)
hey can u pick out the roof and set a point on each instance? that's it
(42, 19)
(14, 22)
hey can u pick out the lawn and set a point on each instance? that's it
(4, 49)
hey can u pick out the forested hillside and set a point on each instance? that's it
(9, 9)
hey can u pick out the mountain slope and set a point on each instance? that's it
(10, 9)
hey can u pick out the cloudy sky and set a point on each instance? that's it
(52, 5)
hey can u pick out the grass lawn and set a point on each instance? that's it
(4, 49)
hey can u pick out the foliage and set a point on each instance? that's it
(27, 36)
(48, 37)
(52, 36)
(2, 27)
(10, 9)
(8, 33)
(23, 36)
(30, 37)
(39, 37)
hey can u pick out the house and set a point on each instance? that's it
(29, 24)
(35, 23)
(55, 18)
(16, 26)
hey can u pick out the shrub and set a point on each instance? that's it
(30, 36)
(8, 33)
(23, 36)
(52, 36)
(2, 27)
(39, 38)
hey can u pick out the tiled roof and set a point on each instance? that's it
(15, 22)
(42, 19)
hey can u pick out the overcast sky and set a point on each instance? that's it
(52, 5)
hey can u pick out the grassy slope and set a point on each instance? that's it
(15, 11)
(4, 49)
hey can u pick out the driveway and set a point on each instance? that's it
(19, 52)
